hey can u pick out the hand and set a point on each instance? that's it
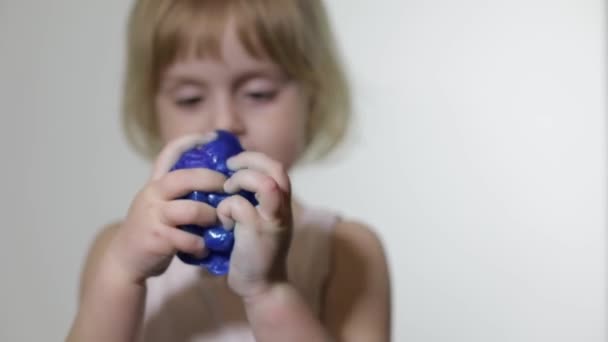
(262, 233)
(148, 237)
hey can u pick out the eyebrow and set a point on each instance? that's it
(170, 82)
(253, 74)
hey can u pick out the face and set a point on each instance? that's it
(252, 98)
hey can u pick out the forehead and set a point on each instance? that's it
(232, 60)
(205, 29)
(240, 36)
(230, 51)
(235, 32)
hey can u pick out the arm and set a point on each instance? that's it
(280, 314)
(123, 256)
(357, 304)
(357, 301)
(110, 306)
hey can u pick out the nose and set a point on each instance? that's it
(227, 117)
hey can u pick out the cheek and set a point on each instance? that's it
(173, 124)
(165, 128)
(282, 137)
(294, 128)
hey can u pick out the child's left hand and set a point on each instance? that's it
(262, 233)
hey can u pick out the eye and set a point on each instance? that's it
(261, 96)
(188, 102)
(187, 95)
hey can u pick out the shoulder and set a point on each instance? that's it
(357, 246)
(96, 250)
(357, 299)
(352, 234)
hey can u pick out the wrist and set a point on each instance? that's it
(273, 293)
(111, 307)
(279, 311)
(115, 274)
(117, 265)
(259, 290)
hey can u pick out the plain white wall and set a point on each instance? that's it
(479, 156)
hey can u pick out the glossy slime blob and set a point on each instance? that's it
(212, 155)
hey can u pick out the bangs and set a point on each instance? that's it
(267, 30)
(295, 35)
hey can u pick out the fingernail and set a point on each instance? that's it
(230, 164)
(202, 251)
(227, 186)
(211, 136)
(204, 138)
(228, 225)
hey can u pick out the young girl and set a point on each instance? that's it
(265, 70)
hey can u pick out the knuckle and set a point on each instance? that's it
(152, 242)
(188, 211)
(223, 208)
(238, 202)
(193, 242)
(277, 168)
(155, 188)
(156, 234)
(171, 180)
(148, 191)
(141, 207)
(152, 209)
(280, 175)
(269, 185)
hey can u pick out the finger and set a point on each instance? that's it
(185, 242)
(171, 153)
(178, 183)
(261, 162)
(267, 191)
(183, 212)
(236, 209)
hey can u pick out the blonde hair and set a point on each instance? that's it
(294, 34)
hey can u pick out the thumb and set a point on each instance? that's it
(171, 153)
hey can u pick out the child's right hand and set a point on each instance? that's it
(148, 237)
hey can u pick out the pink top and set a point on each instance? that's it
(187, 305)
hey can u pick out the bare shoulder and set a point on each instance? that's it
(96, 251)
(357, 246)
(359, 235)
(357, 300)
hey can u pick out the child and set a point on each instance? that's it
(265, 70)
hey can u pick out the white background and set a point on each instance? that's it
(479, 155)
